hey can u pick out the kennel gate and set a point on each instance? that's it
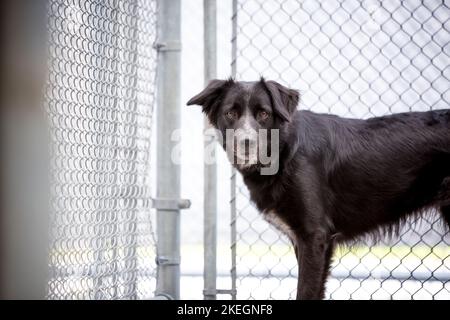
(357, 59)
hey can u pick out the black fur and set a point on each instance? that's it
(339, 179)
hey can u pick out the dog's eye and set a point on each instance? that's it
(263, 115)
(231, 114)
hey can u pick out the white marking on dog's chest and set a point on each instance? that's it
(273, 218)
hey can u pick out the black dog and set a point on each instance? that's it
(338, 179)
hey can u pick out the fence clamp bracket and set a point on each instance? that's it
(167, 261)
(170, 204)
(213, 292)
(167, 46)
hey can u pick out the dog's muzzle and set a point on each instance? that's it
(246, 149)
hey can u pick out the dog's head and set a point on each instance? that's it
(251, 111)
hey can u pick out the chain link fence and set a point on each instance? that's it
(100, 98)
(356, 59)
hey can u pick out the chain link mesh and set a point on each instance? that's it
(100, 100)
(356, 59)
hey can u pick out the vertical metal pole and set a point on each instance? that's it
(233, 170)
(168, 172)
(210, 169)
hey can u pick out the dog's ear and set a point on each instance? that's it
(284, 100)
(211, 97)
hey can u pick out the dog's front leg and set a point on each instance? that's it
(313, 256)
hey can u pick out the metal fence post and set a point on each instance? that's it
(210, 169)
(168, 172)
(233, 210)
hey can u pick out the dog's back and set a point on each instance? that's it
(378, 171)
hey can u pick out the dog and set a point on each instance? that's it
(337, 179)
